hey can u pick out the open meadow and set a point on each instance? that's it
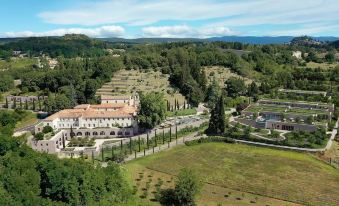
(235, 174)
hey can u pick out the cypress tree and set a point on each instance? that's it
(26, 105)
(92, 156)
(217, 119)
(130, 145)
(155, 137)
(163, 137)
(170, 133)
(33, 107)
(139, 143)
(14, 104)
(40, 105)
(20, 103)
(222, 118)
(6, 105)
(102, 153)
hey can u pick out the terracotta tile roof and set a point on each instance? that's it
(92, 112)
(66, 113)
(105, 114)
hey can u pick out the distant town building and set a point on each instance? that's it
(132, 100)
(297, 54)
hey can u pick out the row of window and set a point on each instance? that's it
(94, 125)
(95, 119)
(102, 133)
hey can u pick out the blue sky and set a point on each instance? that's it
(169, 18)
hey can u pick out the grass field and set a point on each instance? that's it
(124, 82)
(244, 175)
(324, 66)
(17, 63)
(30, 118)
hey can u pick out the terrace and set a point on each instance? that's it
(284, 110)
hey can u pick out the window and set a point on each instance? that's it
(79, 134)
(95, 133)
(112, 133)
(102, 133)
(87, 134)
(120, 133)
(127, 133)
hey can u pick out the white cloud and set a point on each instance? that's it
(103, 31)
(235, 12)
(138, 12)
(167, 31)
(184, 31)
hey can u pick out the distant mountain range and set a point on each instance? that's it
(242, 39)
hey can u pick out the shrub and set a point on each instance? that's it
(39, 136)
(47, 129)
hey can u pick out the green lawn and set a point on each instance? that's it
(17, 63)
(183, 112)
(294, 177)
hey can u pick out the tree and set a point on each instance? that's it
(217, 123)
(187, 187)
(330, 57)
(252, 90)
(6, 83)
(152, 109)
(47, 129)
(213, 93)
(39, 136)
(26, 104)
(235, 87)
(247, 132)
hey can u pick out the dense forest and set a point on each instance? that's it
(87, 65)
(31, 178)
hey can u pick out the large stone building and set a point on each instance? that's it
(92, 116)
(102, 121)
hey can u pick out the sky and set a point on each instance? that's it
(169, 18)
